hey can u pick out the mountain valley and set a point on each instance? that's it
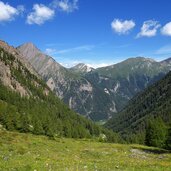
(98, 93)
(28, 105)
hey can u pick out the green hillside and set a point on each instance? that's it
(134, 66)
(124, 80)
(151, 107)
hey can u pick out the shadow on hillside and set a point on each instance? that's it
(154, 151)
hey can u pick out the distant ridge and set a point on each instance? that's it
(98, 93)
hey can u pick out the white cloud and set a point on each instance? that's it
(122, 27)
(53, 51)
(40, 14)
(79, 48)
(165, 50)
(166, 30)
(149, 29)
(50, 51)
(66, 5)
(99, 64)
(8, 13)
(70, 62)
(21, 9)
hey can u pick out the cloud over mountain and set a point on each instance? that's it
(40, 14)
(65, 5)
(166, 30)
(149, 29)
(8, 12)
(122, 27)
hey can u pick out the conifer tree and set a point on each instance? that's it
(156, 133)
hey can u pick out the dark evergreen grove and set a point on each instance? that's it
(156, 133)
(147, 117)
(38, 112)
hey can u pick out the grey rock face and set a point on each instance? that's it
(10, 64)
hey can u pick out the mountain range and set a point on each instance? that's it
(98, 93)
(28, 105)
(29, 102)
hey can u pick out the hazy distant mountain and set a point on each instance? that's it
(82, 68)
(96, 93)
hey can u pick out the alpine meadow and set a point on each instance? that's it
(85, 85)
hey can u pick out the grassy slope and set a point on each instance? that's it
(25, 152)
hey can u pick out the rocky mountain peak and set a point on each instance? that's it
(39, 60)
(14, 68)
(28, 49)
(82, 68)
(12, 50)
(29, 45)
(140, 59)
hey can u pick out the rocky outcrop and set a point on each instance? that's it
(12, 66)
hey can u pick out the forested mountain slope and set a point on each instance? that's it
(124, 80)
(69, 85)
(153, 103)
(28, 105)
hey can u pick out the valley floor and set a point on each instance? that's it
(26, 152)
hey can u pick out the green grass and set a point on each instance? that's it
(26, 152)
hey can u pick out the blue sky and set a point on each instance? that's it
(96, 32)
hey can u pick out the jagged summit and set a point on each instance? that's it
(13, 68)
(29, 44)
(38, 59)
(82, 68)
(29, 49)
(12, 50)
